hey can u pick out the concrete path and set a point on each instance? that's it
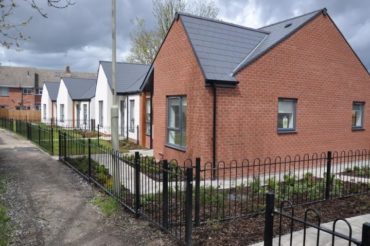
(49, 204)
(325, 238)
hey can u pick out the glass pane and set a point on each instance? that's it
(285, 121)
(174, 113)
(357, 112)
(286, 106)
(174, 137)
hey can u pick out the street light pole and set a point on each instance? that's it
(114, 108)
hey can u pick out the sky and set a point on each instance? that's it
(80, 35)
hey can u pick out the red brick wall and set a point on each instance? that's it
(15, 97)
(315, 65)
(176, 72)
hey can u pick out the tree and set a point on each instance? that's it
(10, 32)
(145, 43)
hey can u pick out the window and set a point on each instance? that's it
(358, 115)
(85, 113)
(61, 113)
(148, 116)
(44, 110)
(4, 91)
(39, 91)
(27, 91)
(132, 115)
(176, 125)
(23, 108)
(286, 115)
(38, 106)
(100, 113)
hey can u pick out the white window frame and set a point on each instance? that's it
(132, 115)
(61, 107)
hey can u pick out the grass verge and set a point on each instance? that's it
(5, 228)
(108, 205)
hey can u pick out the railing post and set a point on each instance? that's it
(65, 145)
(39, 135)
(137, 183)
(328, 176)
(189, 206)
(89, 157)
(98, 134)
(269, 219)
(365, 234)
(59, 145)
(165, 194)
(52, 140)
(137, 135)
(197, 192)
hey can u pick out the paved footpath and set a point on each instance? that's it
(325, 238)
(50, 204)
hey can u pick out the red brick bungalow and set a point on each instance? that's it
(226, 92)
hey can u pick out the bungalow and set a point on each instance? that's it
(49, 102)
(225, 92)
(129, 79)
(76, 103)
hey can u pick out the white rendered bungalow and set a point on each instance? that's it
(49, 102)
(129, 79)
(75, 103)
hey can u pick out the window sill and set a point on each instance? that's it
(182, 149)
(287, 132)
(358, 129)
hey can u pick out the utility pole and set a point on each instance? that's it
(114, 108)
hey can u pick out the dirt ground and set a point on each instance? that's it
(49, 204)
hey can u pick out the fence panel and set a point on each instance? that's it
(288, 223)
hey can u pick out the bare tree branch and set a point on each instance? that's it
(10, 33)
(145, 43)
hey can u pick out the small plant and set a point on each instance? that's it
(108, 205)
(290, 179)
(256, 185)
(272, 185)
(212, 196)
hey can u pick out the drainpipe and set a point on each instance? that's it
(214, 132)
(151, 120)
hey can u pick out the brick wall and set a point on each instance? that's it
(15, 97)
(176, 72)
(315, 65)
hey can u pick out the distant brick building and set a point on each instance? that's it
(21, 87)
(226, 92)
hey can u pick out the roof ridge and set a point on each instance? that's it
(69, 77)
(131, 63)
(221, 22)
(292, 18)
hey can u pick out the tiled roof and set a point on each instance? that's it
(80, 89)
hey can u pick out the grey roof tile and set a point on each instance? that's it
(80, 89)
(130, 76)
(53, 88)
(223, 49)
(219, 46)
(278, 32)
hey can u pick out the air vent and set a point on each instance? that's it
(288, 25)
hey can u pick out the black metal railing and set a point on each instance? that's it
(159, 191)
(285, 216)
(231, 190)
(164, 193)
